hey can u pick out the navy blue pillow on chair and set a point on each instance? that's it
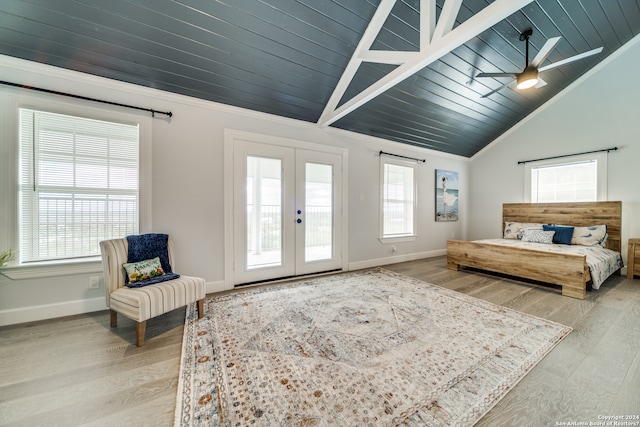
(148, 246)
(562, 234)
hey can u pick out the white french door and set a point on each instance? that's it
(287, 212)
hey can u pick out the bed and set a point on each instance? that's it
(546, 263)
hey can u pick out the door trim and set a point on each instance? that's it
(233, 135)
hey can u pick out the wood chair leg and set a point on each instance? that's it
(200, 309)
(141, 327)
(114, 318)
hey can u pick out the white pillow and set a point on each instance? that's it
(590, 236)
(538, 236)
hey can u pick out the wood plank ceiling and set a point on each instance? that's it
(286, 57)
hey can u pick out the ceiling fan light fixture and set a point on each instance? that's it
(528, 78)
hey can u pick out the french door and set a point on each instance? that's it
(287, 212)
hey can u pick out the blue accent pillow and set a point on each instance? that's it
(148, 246)
(562, 234)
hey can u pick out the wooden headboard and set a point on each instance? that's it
(579, 214)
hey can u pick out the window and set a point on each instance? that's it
(574, 179)
(78, 184)
(398, 182)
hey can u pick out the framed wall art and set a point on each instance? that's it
(446, 195)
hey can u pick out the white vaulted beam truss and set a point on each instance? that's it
(436, 40)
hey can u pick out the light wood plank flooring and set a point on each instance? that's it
(78, 371)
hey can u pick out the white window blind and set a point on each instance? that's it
(572, 182)
(580, 178)
(78, 184)
(398, 207)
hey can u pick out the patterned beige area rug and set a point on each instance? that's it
(365, 348)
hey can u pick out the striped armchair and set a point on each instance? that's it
(141, 304)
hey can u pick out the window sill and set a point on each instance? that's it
(399, 239)
(53, 269)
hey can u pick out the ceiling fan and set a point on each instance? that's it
(529, 76)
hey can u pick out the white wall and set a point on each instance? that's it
(599, 111)
(187, 195)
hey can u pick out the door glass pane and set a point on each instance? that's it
(264, 212)
(318, 230)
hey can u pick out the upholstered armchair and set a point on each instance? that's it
(143, 303)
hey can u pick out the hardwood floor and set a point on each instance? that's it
(78, 371)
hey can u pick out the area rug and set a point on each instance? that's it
(365, 348)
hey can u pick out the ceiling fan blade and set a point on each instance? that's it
(570, 59)
(496, 90)
(540, 83)
(544, 52)
(513, 75)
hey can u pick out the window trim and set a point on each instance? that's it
(403, 237)
(11, 104)
(599, 158)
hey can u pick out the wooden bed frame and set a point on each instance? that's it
(567, 270)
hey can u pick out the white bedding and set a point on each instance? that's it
(602, 262)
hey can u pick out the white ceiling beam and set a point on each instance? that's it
(427, 22)
(387, 56)
(369, 36)
(448, 17)
(437, 48)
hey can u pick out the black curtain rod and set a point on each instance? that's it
(153, 112)
(568, 155)
(404, 157)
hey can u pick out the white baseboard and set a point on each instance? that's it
(218, 286)
(50, 311)
(358, 265)
(68, 308)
